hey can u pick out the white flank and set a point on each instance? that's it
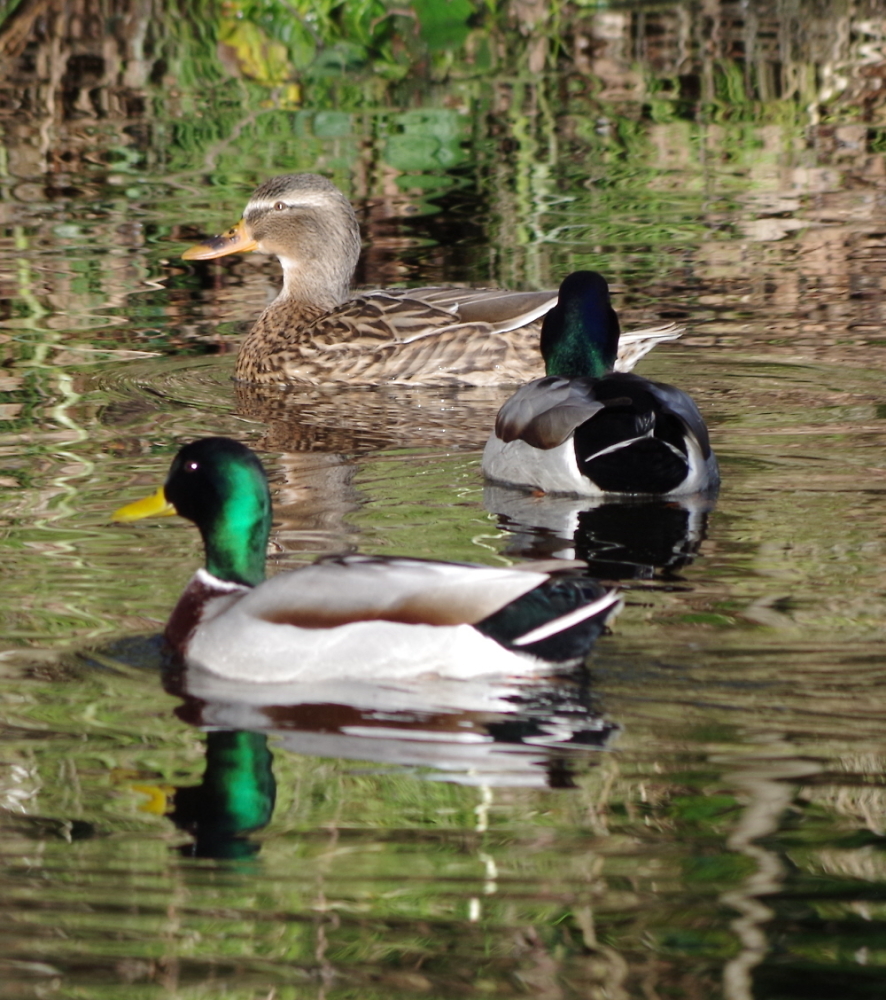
(553, 470)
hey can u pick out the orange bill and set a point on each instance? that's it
(156, 505)
(235, 240)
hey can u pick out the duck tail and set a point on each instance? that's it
(558, 621)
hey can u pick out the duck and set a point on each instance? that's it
(589, 430)
(315, 332)
(352, 616)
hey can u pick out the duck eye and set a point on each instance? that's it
(192, 466)
(280, 205)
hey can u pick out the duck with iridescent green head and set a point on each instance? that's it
(361, 617)
(589, 430)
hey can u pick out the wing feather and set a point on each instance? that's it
(545, 412)
(412, 336)
(338, 591)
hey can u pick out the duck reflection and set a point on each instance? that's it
(620, 539)
(355, 420)
(528, 734)
(491, 732)
(235, 798)
(314, 494)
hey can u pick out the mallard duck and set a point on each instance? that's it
(351, 616)
(315, 332)
(586, 429)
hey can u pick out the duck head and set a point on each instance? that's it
(308, 225)
(221, 486)
(579, 336)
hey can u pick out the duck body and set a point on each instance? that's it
(384, 618)
(355, 616)
(617, 434)
(585, 429)
(316, 333)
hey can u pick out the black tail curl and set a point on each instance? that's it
(544, 605)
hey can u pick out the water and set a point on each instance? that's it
(701, 812)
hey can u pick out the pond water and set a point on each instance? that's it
(700, 812)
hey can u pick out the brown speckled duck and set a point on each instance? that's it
(316, 332)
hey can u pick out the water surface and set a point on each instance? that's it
(700, 813)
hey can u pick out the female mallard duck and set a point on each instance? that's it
(315, 333)
(352, 616)
(586, 429)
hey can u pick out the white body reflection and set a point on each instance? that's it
(511, 733)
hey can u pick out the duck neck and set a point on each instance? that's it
(240, 562)
(236, 537)
(320, 287)
(579, 337)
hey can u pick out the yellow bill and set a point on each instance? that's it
(235, 240)
(156, 505)
(159, 798)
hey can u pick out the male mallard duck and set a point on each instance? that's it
(314, 332)
(352, 616)
(586, 429)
